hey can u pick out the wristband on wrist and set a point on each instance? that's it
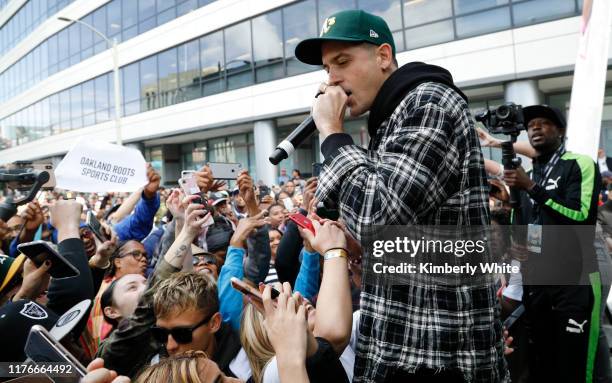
(335, 253)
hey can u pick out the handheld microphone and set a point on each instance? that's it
(288, 145)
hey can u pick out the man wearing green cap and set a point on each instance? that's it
(423, 167)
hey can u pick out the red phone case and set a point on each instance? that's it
(302, 221)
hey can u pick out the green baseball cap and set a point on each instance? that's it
(352, 26)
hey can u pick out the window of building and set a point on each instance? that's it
(417, 12)
(87, 38)
(129, 19)
(168, 77)
(130, 76)
(89, 106)
(252, 161)
(146, 15)
(117, 19)
(236, 148)
(483, 22)
(25, 20)
(389, 10)
(217, 152)
(54, 113)
(200, 154)
(53, 54)
(429, 34)
(166, 15)
(113, 20)
(238, 58)
(63, 49)
(155, 156)
(268, 47)
(185, 7)
(468, 6)
(535, 11)
(213, 62)
(189, 77)
(64, 100)
(148, 84)
(76, 107)
(102, 98)
(99, 22)
(299, 23)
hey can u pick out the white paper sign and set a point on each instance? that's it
(98, 167)
(588, 89)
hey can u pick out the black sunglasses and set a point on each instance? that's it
(207, 259)
(182, 335)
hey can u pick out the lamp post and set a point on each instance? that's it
(113, 45)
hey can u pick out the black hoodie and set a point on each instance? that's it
(391, 93)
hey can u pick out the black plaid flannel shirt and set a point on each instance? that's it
(423, 167)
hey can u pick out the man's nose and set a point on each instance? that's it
(171, 345)
(535, 127)
(333, 77)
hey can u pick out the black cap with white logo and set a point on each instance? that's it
(17, 318)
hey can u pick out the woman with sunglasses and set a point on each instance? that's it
(204, 262)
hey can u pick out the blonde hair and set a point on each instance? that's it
(179, 368)
(255, 341)
(185, 291)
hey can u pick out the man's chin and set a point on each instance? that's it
(355, 112)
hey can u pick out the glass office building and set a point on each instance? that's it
(217, 81)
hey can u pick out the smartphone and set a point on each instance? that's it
(225, 171)
(104, 202)
(95, 226)
(288, 204)
(187, 173)
(250, 291)
(301, 221)
(516, 314)
(189, 185)
(324, 212)
(263, 191)
(40, 251)
(42, 347)
(49, 185)
(316, 168)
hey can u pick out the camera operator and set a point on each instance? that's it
(562, 190)
(424, 166)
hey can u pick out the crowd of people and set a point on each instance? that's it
(160, 289)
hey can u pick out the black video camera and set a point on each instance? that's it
(506, 119)
(21, 176)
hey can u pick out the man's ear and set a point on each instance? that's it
(215, 322)
(384, 56)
